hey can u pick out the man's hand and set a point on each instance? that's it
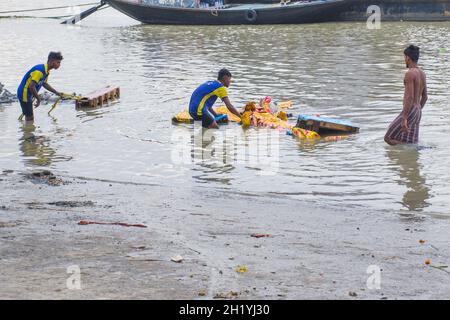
(405, 127)
(37, 102)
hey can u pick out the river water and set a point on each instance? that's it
(342, 70)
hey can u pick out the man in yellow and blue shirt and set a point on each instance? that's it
(33, 81)
(204, 97)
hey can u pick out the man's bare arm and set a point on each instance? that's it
(35, 94)
(424, 98)
(231, 107)
(50, 88)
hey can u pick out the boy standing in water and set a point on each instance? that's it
(32, 82)
(405, 128)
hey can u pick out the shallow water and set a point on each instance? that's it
(340, 70)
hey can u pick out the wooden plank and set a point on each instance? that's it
(99, 97)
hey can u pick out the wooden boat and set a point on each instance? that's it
(187, 12)
(184, 12)
(175, 12)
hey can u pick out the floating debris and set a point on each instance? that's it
(147, 255)
(284, 105)
(46, 177)
(228, 295)
(72, 204)
(7, 224)
(123, 224)
(241, 269)
(177, 259)
(6, 96)
(139, 247)
(257, 235)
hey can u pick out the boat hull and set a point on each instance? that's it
(397, 10)
(289, 14)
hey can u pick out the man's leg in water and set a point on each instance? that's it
(392, 142)
(27, 110)
(208, 119)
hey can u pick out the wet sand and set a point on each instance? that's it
(311, 253)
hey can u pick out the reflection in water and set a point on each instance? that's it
(211, 157)
(35, 149)
(219, 154)
(406, 161)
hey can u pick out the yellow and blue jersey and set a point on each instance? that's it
(38, 74)
(205, 96)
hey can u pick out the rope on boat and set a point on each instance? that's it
(46, 17)
(33, 17)
(50, 8)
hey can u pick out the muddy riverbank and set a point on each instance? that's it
(310, 252)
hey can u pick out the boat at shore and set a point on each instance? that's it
(188, 12)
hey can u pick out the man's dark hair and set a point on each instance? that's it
(55, 56)
(413, 52)
(222, 73)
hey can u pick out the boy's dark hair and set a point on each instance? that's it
(413, 52)
(222, 73)
(55, 56)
